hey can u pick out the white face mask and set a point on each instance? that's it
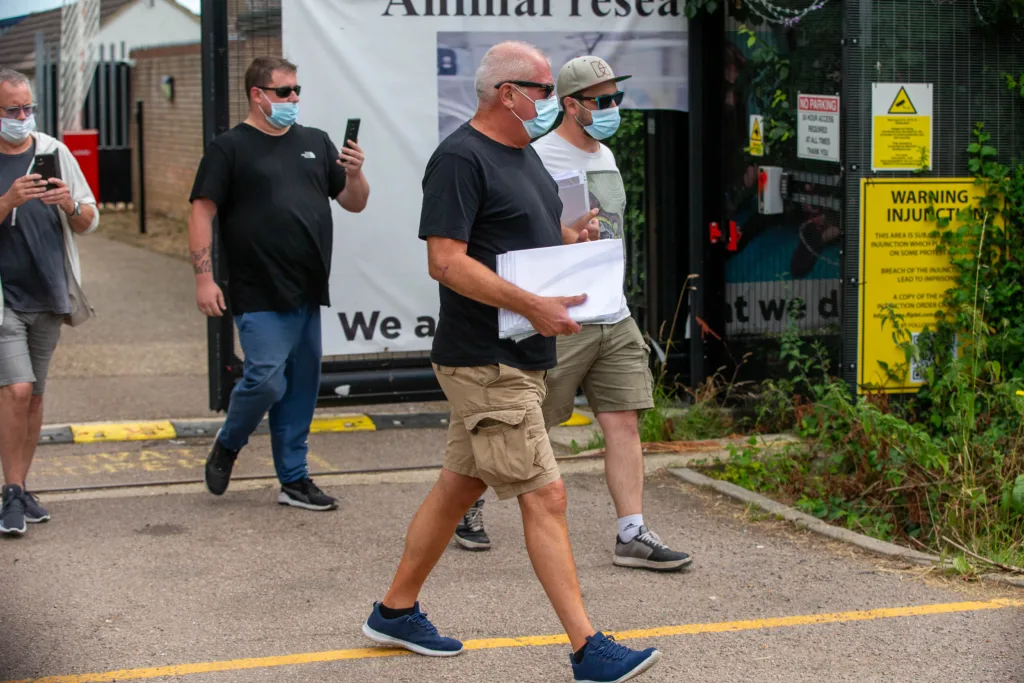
(16, 130)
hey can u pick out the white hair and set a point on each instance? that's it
(14, 77)
(508, 61)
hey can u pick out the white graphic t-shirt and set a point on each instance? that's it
(607, 193)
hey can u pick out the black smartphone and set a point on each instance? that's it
(351, 131)
(47, 166)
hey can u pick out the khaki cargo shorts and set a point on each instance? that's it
(496, 432)
(610, 362)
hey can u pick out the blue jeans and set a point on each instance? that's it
(281, 374)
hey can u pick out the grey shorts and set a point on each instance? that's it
(27, 343)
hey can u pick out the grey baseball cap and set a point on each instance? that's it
(583, 72)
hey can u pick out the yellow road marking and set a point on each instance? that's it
(343, 423)
(123, 431)
(529, 641)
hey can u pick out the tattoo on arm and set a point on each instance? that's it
(201, 261)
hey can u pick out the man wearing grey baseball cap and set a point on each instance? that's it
(609, 360)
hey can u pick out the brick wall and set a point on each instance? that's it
(172, 130)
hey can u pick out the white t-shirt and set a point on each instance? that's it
(604, 182)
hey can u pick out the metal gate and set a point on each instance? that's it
(107, 109)
(766, 273)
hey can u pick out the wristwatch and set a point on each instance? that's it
(77, 211)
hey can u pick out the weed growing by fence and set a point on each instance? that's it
(941, 471)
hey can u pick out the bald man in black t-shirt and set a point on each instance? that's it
(486, 192)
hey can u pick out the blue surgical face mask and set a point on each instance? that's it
(605, 123)
(547, 112)
(16, 130)
(282, 114)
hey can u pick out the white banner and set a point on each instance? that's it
(406, 68)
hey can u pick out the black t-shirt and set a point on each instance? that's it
(496, 199)
(273, 197)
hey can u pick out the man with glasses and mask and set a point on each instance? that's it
(270, 182)
(610, 361)
(485, 192)
(40, 277)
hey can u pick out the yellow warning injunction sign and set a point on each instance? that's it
(900, 265)
(901, 137)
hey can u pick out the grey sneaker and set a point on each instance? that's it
(470, 533)
(646, 551)
(12, 511)
(34, 512)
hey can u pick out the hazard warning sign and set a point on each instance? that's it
(902, 103)
(902, 126)
(756, 136)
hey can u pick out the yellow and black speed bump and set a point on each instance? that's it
(158, 430)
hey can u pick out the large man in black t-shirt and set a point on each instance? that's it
(486, 192)
(270, 182)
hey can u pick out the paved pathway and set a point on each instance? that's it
(239, 589)
(144, 354)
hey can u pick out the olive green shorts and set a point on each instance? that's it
(610, 362)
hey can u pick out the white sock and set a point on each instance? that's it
(629, 527)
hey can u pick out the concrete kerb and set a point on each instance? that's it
(817, 526)
(158, 430)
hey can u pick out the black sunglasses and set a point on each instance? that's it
(283, 91)
(605, 101)
(548, 88)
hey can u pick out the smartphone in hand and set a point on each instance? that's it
(48, 167)
(351, 131)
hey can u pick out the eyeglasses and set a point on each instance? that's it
(283, 91)
(12, 112)
(605, 101)
(548, 88)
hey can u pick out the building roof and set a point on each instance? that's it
(18, 47)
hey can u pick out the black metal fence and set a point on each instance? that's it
(957, 48)
(773, 270)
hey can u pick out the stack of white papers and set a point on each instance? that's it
(575, 196)
(592, 268)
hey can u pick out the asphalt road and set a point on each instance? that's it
(170, 576)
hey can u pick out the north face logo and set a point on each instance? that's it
(308, 155)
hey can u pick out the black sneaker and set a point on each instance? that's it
(12, 511)
(305, 494)
(219, 463)
(646, 551)
(470, 533)
(34, 512)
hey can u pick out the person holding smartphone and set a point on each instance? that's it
(39, 218)
(270, 182)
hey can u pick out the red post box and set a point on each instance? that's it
(84, 145)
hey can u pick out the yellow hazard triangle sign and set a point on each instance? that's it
(755, 134)
(902, 104)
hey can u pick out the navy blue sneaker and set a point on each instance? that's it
(605, 661)
(413, 632)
